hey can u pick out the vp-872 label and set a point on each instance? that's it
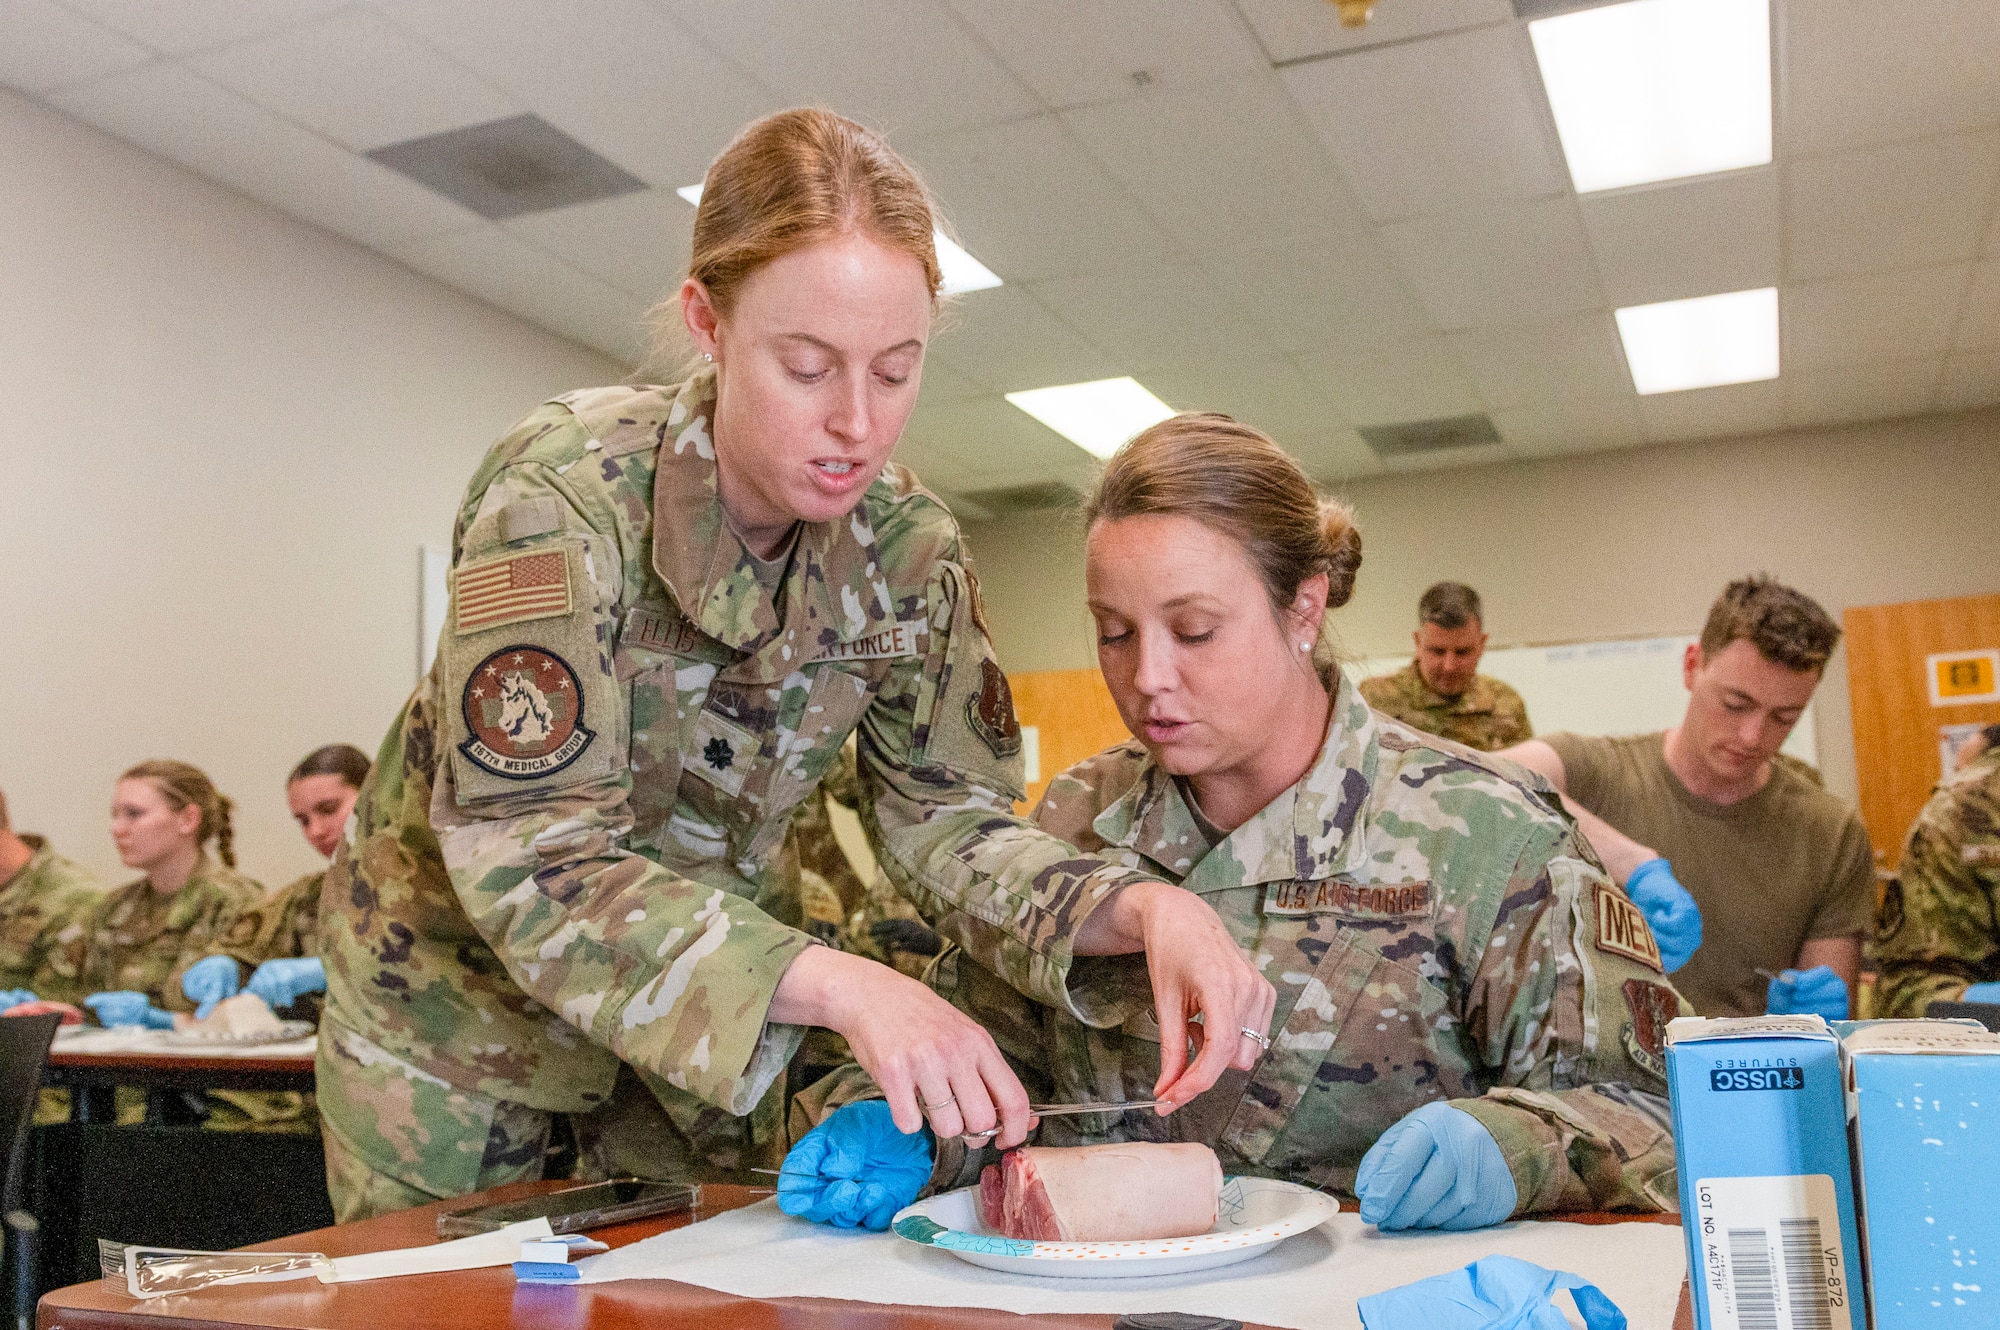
(1771, 1257)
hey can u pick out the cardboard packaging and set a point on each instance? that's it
(1925, 1099)
(1767, 1193)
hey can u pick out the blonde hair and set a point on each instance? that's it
(1234, 480)
(182, 784)
(788, 181)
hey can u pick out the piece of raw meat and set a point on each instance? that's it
(1101, 1193)
(244, 1014)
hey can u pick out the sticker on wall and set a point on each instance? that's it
(1959, 678)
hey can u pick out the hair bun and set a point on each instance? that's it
(1343, 550)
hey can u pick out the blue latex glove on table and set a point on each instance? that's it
(1493, 1293)
(128, 1008)
(282, 982)
(854, 1170)
(14, 997)
(1975, 993)
(208, 981)
(1437, 1168)
(1670, 911)
(1815, 992)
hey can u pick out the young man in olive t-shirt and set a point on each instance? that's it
(1780, 869)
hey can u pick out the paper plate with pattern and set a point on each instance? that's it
(1256, 1214)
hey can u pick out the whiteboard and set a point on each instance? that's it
(1631, 686)
(433, 601)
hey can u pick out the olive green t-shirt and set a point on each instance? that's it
(1788, 864)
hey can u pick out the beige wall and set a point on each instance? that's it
(1617, 544)
(226, 435)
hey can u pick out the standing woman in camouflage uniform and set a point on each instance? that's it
(145, 933)
(276, 941)
(670, 607)
(1469, 1016)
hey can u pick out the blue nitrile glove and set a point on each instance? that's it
(1815, 992)
(1493, 1293)
(128, 1008)
(1976, 993)
(1437, 1168)
(14, 997)
(854, 1170)
(208, 981)
(1670, 911)
(280, 982)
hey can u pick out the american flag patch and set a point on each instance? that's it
(512, 590)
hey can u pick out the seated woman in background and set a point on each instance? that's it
(145, 933)
(276, 941)
(1469, 1021)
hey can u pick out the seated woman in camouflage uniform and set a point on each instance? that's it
(1469, 1019)
(276, 942)
(143, 935)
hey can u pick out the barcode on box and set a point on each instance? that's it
(1771, 1254)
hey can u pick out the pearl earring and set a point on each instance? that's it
(707, 358)
(1305, 646)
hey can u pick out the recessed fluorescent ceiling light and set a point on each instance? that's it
(1658, 89)
(961, 271)
(1098, 416)
(1702, 343)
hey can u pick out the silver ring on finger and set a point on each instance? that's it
(986, 1135)
(1263, 1040)
(949, 1100)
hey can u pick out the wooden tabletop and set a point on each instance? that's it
(300, 1064)
(491, 1300)
(78, 1070)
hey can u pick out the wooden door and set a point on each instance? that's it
(1915, 670)
(1072, 716)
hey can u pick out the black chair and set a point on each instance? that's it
(24, 1051)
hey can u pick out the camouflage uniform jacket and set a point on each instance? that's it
(43, 910)
(1434, 932)
(569, 853)
(1489, 715)
(284, 924)
(1938, 929)
(142, 940)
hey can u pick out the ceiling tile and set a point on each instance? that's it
(192, 25)
(1005, 340)
(1880, 316)
(1477, 455)
(1224, 167)
(1071, 54)
(1272, 395)
(357, 79)
(1571, 424)
(1714, 413)
(987, 443)
(1689, 238)
(1855, 75)
(637, 242)
(906, 67)
(213, 132)
(594, 69)
(1868, 390)
(1426, 127)
(1971, 379)
(44, 46)
(505, 270)
(1890, 207)
(1316, 295)
(1515, 263)
(1392, 382)
(1979, 320)
(1522, 367)
(942, 384)
(1302, 29)
(1030, 203)
(1341, 456)
(1158, 314)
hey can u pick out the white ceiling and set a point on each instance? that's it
(1241, 203)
